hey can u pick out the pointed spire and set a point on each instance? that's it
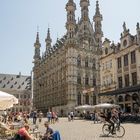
(97, 8)
(97, 18)
(37, 46)
(71, 22)
(48, 40)
(48, 34)
(70, 3)
(84, 10)
(37, 39)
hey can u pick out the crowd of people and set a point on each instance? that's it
(23, 125)
(8, 120)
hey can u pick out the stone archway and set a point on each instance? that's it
(127, 97)
(120, 99)
(135, 97)
(128, 103)
(135, 102)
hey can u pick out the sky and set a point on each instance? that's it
(20, 19)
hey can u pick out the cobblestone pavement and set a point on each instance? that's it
(87, 130)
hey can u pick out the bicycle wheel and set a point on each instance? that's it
(120, 131)
(106, 129)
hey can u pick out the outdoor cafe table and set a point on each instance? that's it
(36, 133)
(16, 125)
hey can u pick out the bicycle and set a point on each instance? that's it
(118, 129)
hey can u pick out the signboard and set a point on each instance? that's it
(88, 90)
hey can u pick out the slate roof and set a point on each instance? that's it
(15, 82)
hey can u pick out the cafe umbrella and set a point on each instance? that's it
(84, 107)
(7, 100)
(105, 106)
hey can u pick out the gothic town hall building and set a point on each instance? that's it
(67, 74)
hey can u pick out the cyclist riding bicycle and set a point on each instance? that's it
(112, 118)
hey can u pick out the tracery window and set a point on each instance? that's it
(86, 62)
(79, 79)
(86, 80)
(87, 99)
(79, 99)
(79, 61)
(94, 64)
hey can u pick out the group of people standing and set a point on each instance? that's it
(52, 117)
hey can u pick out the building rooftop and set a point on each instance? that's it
(15, 82)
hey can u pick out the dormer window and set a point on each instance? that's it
(15, 83)
(106, 51)
(125, 43)
(19, 87)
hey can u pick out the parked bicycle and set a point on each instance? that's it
(119, 130)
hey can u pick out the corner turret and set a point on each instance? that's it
(37, 46)
(98, 25)
(71, 22)
(84, 10)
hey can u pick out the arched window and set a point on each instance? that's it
(79, 79)
(79, 99)
(127, 97)
(94, 81)
(79, 61)
(120, 99)
(86, 80)
(135, 97)
(87, 99)
(86, 62)
(106, 50)
(94, 64)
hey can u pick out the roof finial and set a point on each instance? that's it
(138, 26)
(70, 1)
(124, 27)
(37, 37)
(37, 28)
(48, 34)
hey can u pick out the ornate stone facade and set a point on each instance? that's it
(71, 66)
(123, 87)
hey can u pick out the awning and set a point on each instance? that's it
(121, 91)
